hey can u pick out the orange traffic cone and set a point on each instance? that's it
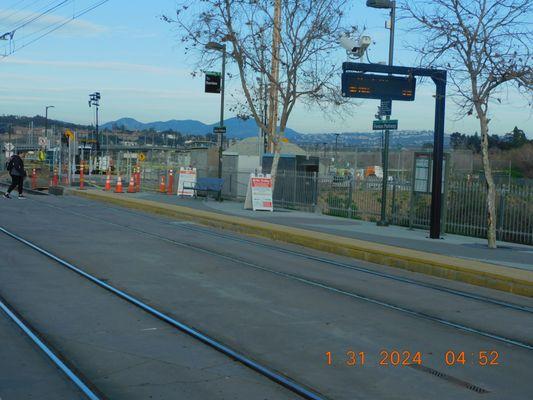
(162, 185)
(118, 189)
(138, 179)
(170, 181)
(107, 187)
(131, 186)
(55, 178)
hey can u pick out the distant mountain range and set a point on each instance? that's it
(239, 129)
(236, 128)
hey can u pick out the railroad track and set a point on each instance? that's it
(282, 380)
(57, 359)
(321, 285)
(396, 278)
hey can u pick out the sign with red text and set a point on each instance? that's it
(186, 182)
(259, 193)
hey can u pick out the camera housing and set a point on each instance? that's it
(355, 48)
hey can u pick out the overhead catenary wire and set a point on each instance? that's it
(18, 11)
(45, 28)
(54, 27)
(27, 20)
(40, 15)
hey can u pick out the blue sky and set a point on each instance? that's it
(123, 50)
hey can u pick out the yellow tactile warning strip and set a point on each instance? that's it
(470, 271)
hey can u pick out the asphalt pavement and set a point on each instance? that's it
(254, 299)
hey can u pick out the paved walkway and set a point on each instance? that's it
(508, 254)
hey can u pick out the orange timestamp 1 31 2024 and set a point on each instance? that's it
(402, 358)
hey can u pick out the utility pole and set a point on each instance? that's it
(274, 99)
(221, 134)
(220, 137)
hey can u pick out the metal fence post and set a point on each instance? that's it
(294, 185)
(501, 210)
(350, 198)
(315, 191)
(412, 193)
(393, 203)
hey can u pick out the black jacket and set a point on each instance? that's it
(15, 166)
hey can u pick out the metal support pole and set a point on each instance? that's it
(46, 123)
(384, 185)
(383, 220)
(392, 25)
(438, 152)
(350, 197)
(220, 134)
(222, 90)
(336, 148)
(97, 134)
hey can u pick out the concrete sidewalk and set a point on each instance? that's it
(466, 259)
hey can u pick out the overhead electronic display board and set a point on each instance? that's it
(372, 86)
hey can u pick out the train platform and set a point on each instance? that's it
(466, 259)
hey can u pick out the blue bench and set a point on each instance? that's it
(206, 185)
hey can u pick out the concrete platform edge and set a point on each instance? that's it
(469, 271)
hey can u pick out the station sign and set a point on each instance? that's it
(212, 82)
(372, 86)
(390, 125)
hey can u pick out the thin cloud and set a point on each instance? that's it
(105, 65)
(12, 19)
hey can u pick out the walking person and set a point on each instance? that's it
(15, 166)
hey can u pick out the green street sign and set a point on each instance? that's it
(219, 129)
(390, 125)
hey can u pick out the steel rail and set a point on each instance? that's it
(418, 314)
(213, 343)
(385, 304)
(414, 282)
(49, 352)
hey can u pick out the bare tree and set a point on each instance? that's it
(484, 44)
(309, 33)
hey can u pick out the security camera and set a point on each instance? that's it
(348, 43)
(355, 48)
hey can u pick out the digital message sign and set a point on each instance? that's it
(372, 86)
